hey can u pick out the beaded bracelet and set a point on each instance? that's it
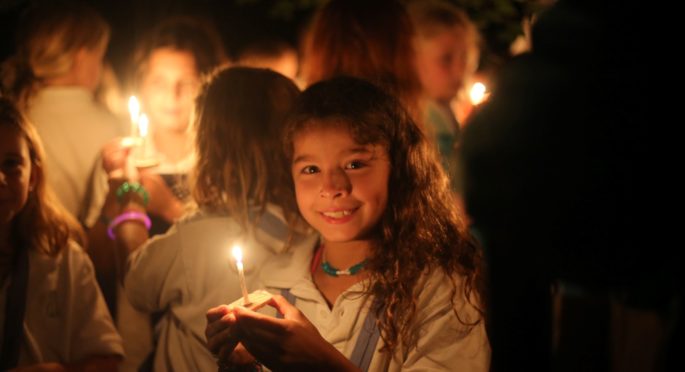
(127, 187)
(126, 216)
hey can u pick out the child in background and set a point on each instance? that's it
(243, 196)
(395, 281)
(370, 40)
(447, 52)
(52, 314)
(171, 60)
(53, 77)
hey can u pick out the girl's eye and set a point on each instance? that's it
(310, 169)
(355, 165)
(11, 163)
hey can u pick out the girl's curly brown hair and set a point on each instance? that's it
(421, 229)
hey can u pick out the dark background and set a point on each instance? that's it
(241, 22)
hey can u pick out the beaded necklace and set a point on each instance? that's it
(333, 271)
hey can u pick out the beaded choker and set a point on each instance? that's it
(352, 270)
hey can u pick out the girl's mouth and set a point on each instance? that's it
(338, 216)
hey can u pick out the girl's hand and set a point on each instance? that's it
(292, 343)
(115, 158)
(222, 340)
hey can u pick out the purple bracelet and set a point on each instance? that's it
(138, 216)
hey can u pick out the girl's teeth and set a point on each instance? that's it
(337, 214)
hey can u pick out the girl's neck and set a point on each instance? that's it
(175, 146)
(345, 254)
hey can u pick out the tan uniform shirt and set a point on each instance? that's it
(66, 319)
(189, 270)
(73, 129)
(444, 343)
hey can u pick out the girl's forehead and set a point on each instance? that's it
(360, 132)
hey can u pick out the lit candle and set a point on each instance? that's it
(478, 93)
(143, 126)
(134, 111)
(238, 255)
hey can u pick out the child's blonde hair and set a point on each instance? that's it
(47, 42)
(240, 164)
(432, 17)
(42, 223)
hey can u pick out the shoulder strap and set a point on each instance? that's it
(367, 340)
(14, 311)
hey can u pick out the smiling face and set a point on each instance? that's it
(16, 176)
(340, 185)
(169, 86)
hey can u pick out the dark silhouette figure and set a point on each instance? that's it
(556, 165)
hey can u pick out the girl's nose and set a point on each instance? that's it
(335, 184)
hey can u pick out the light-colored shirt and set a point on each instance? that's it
(189, 270)
(66, 319)
(73, 128)
(444, 343)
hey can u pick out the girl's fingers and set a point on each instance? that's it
(216, 313)
(249, 320)
(222, 342)
(217, 320)
(284, 307)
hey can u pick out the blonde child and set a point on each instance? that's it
(53, 77)
(394, 282)
(243, 196)
(52, 314)
(447, 52)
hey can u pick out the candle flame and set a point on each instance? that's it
(143, 125)
(477, 93)
(133, 108)
(237, 253)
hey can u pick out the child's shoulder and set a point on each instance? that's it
(437, 291)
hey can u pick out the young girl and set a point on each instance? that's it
(243, 196)
(447, 52)
(52, 314)
(394, 282)
(53, 77)
(171, 61)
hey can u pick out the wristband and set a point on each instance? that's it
(126, 216)
(127, 187)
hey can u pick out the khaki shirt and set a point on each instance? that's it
(66, 319)
(189, 270)
(74, 128)
(444, 343)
